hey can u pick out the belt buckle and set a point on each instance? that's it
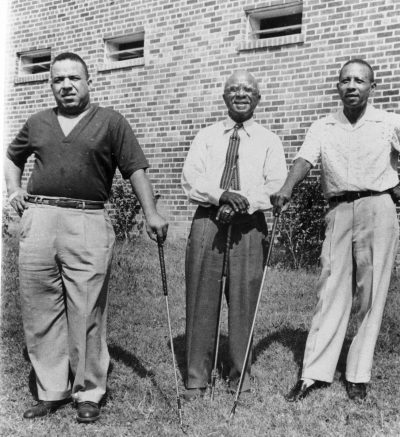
(80, 204)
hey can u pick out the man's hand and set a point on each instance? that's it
(280, 199)
(156, 226)
(297, 173)
(225, 214)
(236, 201)
(395, 193)
(17, 200)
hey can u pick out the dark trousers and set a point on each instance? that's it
(204, 259)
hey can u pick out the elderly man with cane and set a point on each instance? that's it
(358, 148)
(230, 171)
(66, 238)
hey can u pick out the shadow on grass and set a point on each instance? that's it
(295, 340)
(130, 360)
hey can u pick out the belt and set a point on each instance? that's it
(350, 196)
(64, 202)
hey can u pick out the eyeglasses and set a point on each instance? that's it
(236, 89)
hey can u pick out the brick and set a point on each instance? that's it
(190, 48)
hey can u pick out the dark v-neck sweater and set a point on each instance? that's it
(82, 164)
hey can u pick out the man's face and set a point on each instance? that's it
(241, 96)
(355, 86)
(70, 86)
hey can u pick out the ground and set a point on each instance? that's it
(141, 398)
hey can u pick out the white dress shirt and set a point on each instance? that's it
(357, 157)
(261, 161)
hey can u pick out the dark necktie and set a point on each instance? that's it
(230, 176)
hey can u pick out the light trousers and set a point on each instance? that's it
(357, 259)
(64, 264)
(204, 259)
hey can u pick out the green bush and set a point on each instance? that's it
(124, 212)
(302, 227)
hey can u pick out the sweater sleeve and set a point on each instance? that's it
(126, 149)
(20, 148)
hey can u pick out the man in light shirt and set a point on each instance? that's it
(231, 186)
(358, 149)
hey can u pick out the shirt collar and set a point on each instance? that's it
(229, 124)
(371, 114)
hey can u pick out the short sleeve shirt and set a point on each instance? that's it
(356, 157)
(82, 164)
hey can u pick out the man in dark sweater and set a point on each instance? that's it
(66, 239)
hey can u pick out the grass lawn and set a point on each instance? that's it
(141, 392)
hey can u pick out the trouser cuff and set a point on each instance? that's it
(358, 379)
(53, 395)
(88, 396)
(315, 377)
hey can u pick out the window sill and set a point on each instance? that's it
(121, 64)
(41, 77)
(271, 42)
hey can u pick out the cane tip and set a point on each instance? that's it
(231, 415)
(184, 427)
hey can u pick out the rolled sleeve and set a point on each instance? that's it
(274, 175)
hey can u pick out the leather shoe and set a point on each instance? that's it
(301, 390)
(190, 394)
(88, 412)
(356, 390)
(43, 408)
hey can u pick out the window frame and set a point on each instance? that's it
(25, 65)
(254, 16)
(111, 50)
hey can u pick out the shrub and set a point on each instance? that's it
(124, 212)
(302, 226)
(7, 219)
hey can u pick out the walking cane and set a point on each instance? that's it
(214, 372)
(246, 358)
(165, 288)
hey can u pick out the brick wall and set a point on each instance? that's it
(190, 48)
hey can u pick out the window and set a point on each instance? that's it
(123, 51)
(34, 65)
(274, 25)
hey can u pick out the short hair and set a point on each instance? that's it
(72, 57)
(362, 62)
